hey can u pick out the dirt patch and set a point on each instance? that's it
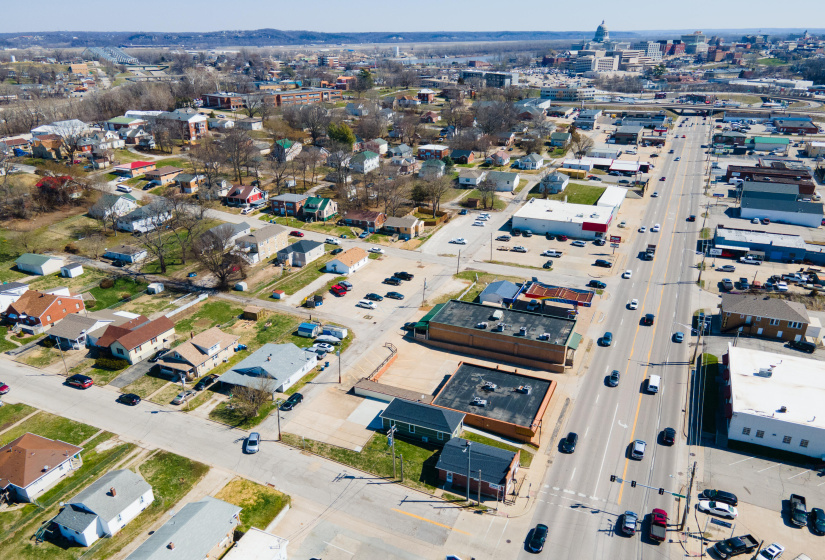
(108, 444)
(203, 323)
(44, 220)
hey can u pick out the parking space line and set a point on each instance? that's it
(742, 461)
(430, 521)
(339, 548)
(800, 474)
(768, 468)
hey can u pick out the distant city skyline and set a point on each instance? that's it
(331, 16)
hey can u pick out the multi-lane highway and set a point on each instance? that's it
(577, 500)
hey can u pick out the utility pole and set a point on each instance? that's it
(687, 500)
(424, 293)
(278, 414)
(338, 355)
(479, 486)
(458, 261)
(401, 461)
(467, 449)
(391, 436)
(491, 246)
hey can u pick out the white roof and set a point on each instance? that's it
(818, 144)
(556, 210)
(612, 197)
(796, 383)
(624, 166)
(257, 545)
(432, 147)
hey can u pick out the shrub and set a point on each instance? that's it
(112, 364)
(72, 248)
(106, 283)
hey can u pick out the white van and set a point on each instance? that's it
(736, 181)
(124, 188)
(653, 383)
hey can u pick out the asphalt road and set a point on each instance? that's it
(577, 500)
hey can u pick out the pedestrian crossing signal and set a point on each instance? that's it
(633, 484)
(661, 491)
(612, 478)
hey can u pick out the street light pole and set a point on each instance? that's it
(338, 355)
(469, 478)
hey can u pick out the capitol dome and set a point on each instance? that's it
(602, 34)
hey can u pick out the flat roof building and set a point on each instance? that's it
(778, 247)
(579, 221)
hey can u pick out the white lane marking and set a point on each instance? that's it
(612, 423)
(597, 398)
(573, 474)
(768, 468)
(502, 534)
(800, 474)
(566, 491)
(582, 495)
(587, 429)
(556, 488)
(622, 425)
(339, 548)
(621, 322)
(595, 498)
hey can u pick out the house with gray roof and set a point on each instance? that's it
(38, 264)
(421, 421)
(764, 316)
(554, 183)
(70, 333)
(229, 233)
(560, 139)
(104, 507)
(273, 367)
(301, 253)
(145, 218)
(200, 530)
(501, 292)
(491, 468)
(402, 150)
(531, 161)
(126, 253)
(113, 204)
(468, 178)
(504, 181)
(432, 169)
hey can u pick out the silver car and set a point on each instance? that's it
(252, 443)
(638, 450)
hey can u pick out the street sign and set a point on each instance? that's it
(615, 239)
(614, 245)
(722, 523)
(719, 195)
(715, 252)
(678, 495)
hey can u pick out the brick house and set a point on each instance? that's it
(135, 168)
(36, 311)
(164, 175)
(245, 195)
(426, 95)
(433, 151)
(463, 156)
(288, 204)
(764, 317)
(492, 468)
(421, 421)
(365, 219)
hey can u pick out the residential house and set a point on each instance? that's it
(189, 182)
(113, 204)
(250, 124)
(301, 253)
(188, 123)
(275, 366)
(426, 95)
(216, 190)
(506, 139)
(220, 124)
(245, 195)
(319, 209)
(531, 161)
(364, 162)
(36, 311)
(11, 292)
(421, 421)
(69, 127)
(560, 139)
(309, 330)
(764, 316)
(402, 150)
(164, 175)
(288, 204)
(230, 233)
(144, 219)
(430, 117)
(471, 178)
(8, 145)
(38, 264)
(406, 101)
(406, 227)
(104, 507)
(138, 339)
(357, 109)
(554, 183)
(404, 165)
(118, 124)
(263, 243)
(32, 464)
(348, 262)
(318, 154)
(70, 333)
(501, 292)
(134, 168)
(492, 470)
(432, 169)
(433, 151)
(499, 158)
(199, 531)
(199, 355)
(71, 270)
(48, 146)
(531, 113)
(504, 180)
(463, 156)
(126, 253)
(377, 145)
(104, 318)
(368, 220)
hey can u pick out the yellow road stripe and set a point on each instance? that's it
(433, 522)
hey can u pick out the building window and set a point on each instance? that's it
(786, 439)
(412, 429)
(48, 317)
(746, 431)
(440, 435)
(803, 443)
(760, 433)
(774, 322)
(141, 499)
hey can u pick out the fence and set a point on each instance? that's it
(195, 301)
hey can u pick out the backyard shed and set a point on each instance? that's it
(309, 330)
(253, 313)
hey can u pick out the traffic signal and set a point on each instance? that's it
(612, 478)
(661, 491)
(633, 484)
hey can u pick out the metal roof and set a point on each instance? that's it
(492, 462)
(423, 415)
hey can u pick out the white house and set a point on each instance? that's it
(38, 264)
(109, 204)
(258, 545)
(554, 182)
(11, 292)
(32, 464)
(364, 162)
(471, 177)
(531, 161)
(144, 219)
(504, 180)
(126, 253)
(348, 262)
(104, 507)
(71, 270)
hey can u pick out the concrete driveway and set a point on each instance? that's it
(131, 374)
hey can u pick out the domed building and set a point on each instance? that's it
(602, 34)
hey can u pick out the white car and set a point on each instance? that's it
(459, 241)
(642, 229)
(478, 223)
(634, 304)
(622, 224)
(483, 218)
(377, 250)
(367, 304)
(771, 553)
(655, 194)
(656, 227)
(324, 346)
(627, 274)
(332, 241)
(717, 508)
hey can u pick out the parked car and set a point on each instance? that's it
(803, 345)
(336, 251)
(296, 233)
(4, 388)
(374, 297)
(160, 353)
(518, 249)
(771, 553)
(562, 238)
(404, 275)
(183, 396)
(252, 443)
(130, 399)
(749, 260)
(568, 444)
(604, 263)
(366, 304)
(596, 284)
(80, 381)
(460, 241)
(726, 268)
(206, 382)
(294, 400)
(332, 241)
(717, 508)
(503, 238)
(394, 295)
(579, 243)
(547, 264)
(719, 496)
(536, 541)
(392, 281)
(478, 223)
(600, 243)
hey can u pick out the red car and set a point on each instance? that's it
(683, 136)
(296, 233)
(663, 178)
(562, 238)
(338, 290)
(4, 388)
(80, 381)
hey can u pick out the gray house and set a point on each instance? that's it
(554, 182)
(273, 367)
(301, 253)
(424, 422)
(402, 150)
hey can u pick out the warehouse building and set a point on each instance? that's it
(578, 221)
(628, 134)
(775, 400)
(504, 335)
(763, 245)
(780, 204)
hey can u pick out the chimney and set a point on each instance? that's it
(45, 468)
(171, 546)
(112, 491)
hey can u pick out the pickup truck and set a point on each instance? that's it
(650, 252)
(799, 510)
(658, 525)
(735, 546)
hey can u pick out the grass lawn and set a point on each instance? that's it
(5, 344)
(146, 385)
(228, 415)
(90, 277)
(11, 413)
(165, 395)
(208, 315)
(52, 427)
(771, 62)
(7, 271)
(329, 227)
(41, 357)
(292, 282)
(147, 304)
(261, 504)
(173, 162)
(123, 288)
(376, 458)
(576, 193)
(498, 204)
(525, 459)
(274, 328)
(521, 184)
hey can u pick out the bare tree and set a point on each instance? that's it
(187, 223)
(72, 133)
(237, 145)
(392, 193)
(455, 114)
(156, 241)
(314, 119)
(279, 171)
(487, 190)
(495, 116)
(207, 157)
(436, 189)
(580, 143)
(409, 126)
(251, 398)
(215, 250)
(373, 125)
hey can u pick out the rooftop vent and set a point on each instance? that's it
(481, 325)
(478, 401)
(171, 546)
(522, 331)
(498, 314)
(783, 408)
(765, 372)
(525, 389)
(489, 386)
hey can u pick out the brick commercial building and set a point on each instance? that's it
(628, 134)
(229, 101)
(777, 173)
(764, 316)
(304, 96)
(492, 471)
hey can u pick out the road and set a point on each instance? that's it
(577, 500)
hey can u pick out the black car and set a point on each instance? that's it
(803, 345)
(129, 398)
(603, 263)
(613, 378)
(336, 251)
(668, 436)
(159, 355)
(536, 541)
(600, 242)
(548, 264)
(403, 275)
(205, 382)
(394, 295)
(568, 444)
(503, 238)
(549, 236)
(516, 232)
(408, 326)
(648, 319)
(80, 381)
(719, 496)
(374, 297)
(392, 281)
(817, 519)
(691, 218)
(597, 284)
(292, 401)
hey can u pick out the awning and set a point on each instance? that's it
(731, 247)
(574, 340)
(424, 322)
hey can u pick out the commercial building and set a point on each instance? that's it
(779, 203)
(794, 126)
(508, 403)
(775, 173)
(562, 93)
(763, 245)
(223, 100)
(501, 292)
(490, 470)
(492, 79)
(588, 118)
(506, 335)
(775, 400)
(304, 96)
(578, 221)
(628, 134)
(348, 262)
(764, 316)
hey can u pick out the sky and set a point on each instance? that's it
(415, 15)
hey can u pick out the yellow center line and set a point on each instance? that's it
(650, 352)
(431, 521)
